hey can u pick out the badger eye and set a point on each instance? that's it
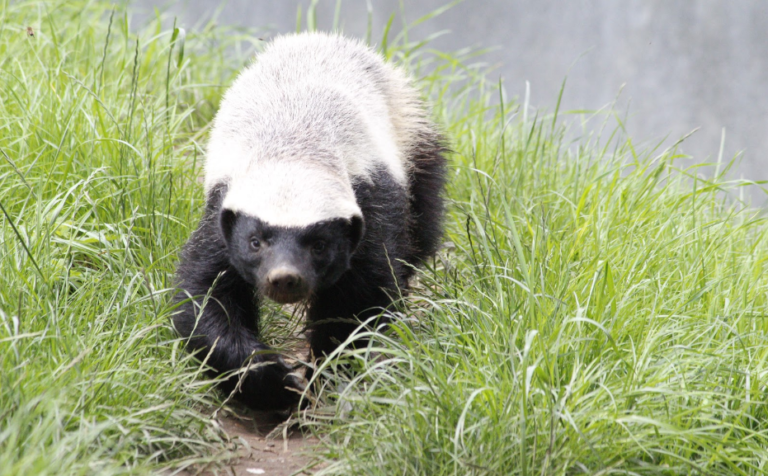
(255, 244)
(318, 247)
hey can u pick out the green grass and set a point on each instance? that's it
(99, 157)
(600, 309)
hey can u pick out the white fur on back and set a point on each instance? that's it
(314, 114)
(286, 195)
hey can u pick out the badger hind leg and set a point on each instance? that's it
(426, 187)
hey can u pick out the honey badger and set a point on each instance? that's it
(324, 183)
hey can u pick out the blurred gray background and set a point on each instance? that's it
(683, 64)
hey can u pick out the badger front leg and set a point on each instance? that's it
(335, 313)
(376, 277)
(218, 315)
(363, 292)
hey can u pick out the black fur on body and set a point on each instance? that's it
(401, 229)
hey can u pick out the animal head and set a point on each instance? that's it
(290, 264)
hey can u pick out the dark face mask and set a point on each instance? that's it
(290, 264)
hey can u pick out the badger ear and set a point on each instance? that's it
(356, 230)
(227, 220)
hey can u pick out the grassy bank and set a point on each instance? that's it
(598, 310)
(99, 153)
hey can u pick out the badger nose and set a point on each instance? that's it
(284, 280)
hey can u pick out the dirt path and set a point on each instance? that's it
(262, 446)
(285, 453)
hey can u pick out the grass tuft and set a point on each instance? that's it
(100, 131)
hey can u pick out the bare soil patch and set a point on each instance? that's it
(262, 445)
(286, 453)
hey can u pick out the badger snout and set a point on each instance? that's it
(285, 285)
(285, 280)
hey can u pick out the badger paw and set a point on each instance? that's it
(272, 386)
